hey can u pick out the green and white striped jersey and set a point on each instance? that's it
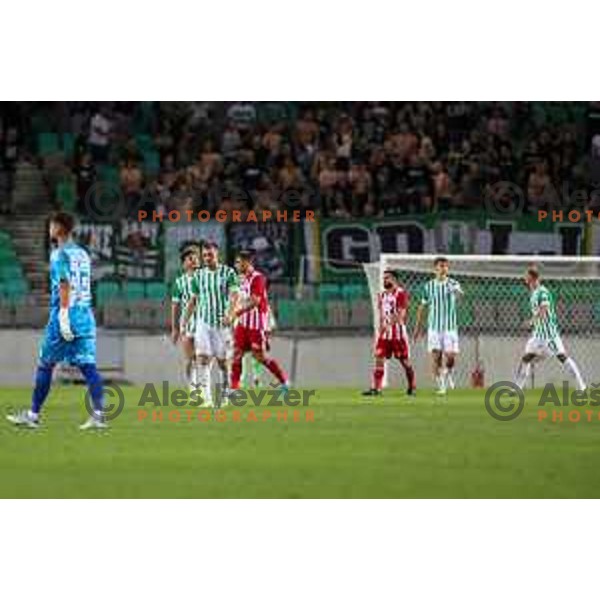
(544, 327)
(214, 288)
(181, 293)
(440, 299)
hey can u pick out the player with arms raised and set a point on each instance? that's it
(70, 335)
(252, 315)
(439, 297)
(181, 294)
(545, 339)
(392, 340)
(214, 290)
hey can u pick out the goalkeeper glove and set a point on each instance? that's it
(65, 325)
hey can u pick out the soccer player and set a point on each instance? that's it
(392, 304)
(439, 298)
(545, 339)
(70, 335)
(215, 289)
(252, 314)
(181, 294)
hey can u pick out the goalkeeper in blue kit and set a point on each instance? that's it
(70, 335)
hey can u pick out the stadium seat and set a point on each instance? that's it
(68, 145)
(329, 291)
(156, 290)
(66, 194)
(354, 291)
(106, 291)
(285, 313)
(48, 143)
(134, 290)
(151, 162)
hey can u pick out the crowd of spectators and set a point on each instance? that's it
(345, 160)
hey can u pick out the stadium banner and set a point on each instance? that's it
(271, 243)
(176, 233)
(345, 243)
(127, 248)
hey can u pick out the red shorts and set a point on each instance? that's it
(246, 339)
(398, 348)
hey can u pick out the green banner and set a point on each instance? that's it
(345, 245)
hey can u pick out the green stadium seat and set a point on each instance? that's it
(156, 290)
(68, 145)
(285, 313)
(134, 290)
(329, 291)
(144, 142)
(107, 291)
(109, 174)
(11, 270)
(151, 162)
(66, 194)
(354, 291)
(48, 143)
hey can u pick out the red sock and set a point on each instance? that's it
(410, 376)
(273, 366)
(378, 373)
(236, 373)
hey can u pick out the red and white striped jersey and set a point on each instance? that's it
(389, 306)
(255, 284)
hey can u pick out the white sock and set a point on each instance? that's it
(449, 378)
(571, 366)
(193, 378)
(441, 381)
(203, 381)
(224, 378)
(522, 374)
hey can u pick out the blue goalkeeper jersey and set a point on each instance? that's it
(72, 263)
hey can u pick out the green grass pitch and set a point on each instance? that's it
(353, 449)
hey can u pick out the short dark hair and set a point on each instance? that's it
(533, 271)
(245, 255)
(187, 244)
(65, 220)
(210, 244)
(440, 259)
(390, 272)
(186, 252)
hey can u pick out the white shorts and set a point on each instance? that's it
(442, 341)
(213, 341)
(542, 347)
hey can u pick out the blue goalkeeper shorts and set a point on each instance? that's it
(81, 351)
